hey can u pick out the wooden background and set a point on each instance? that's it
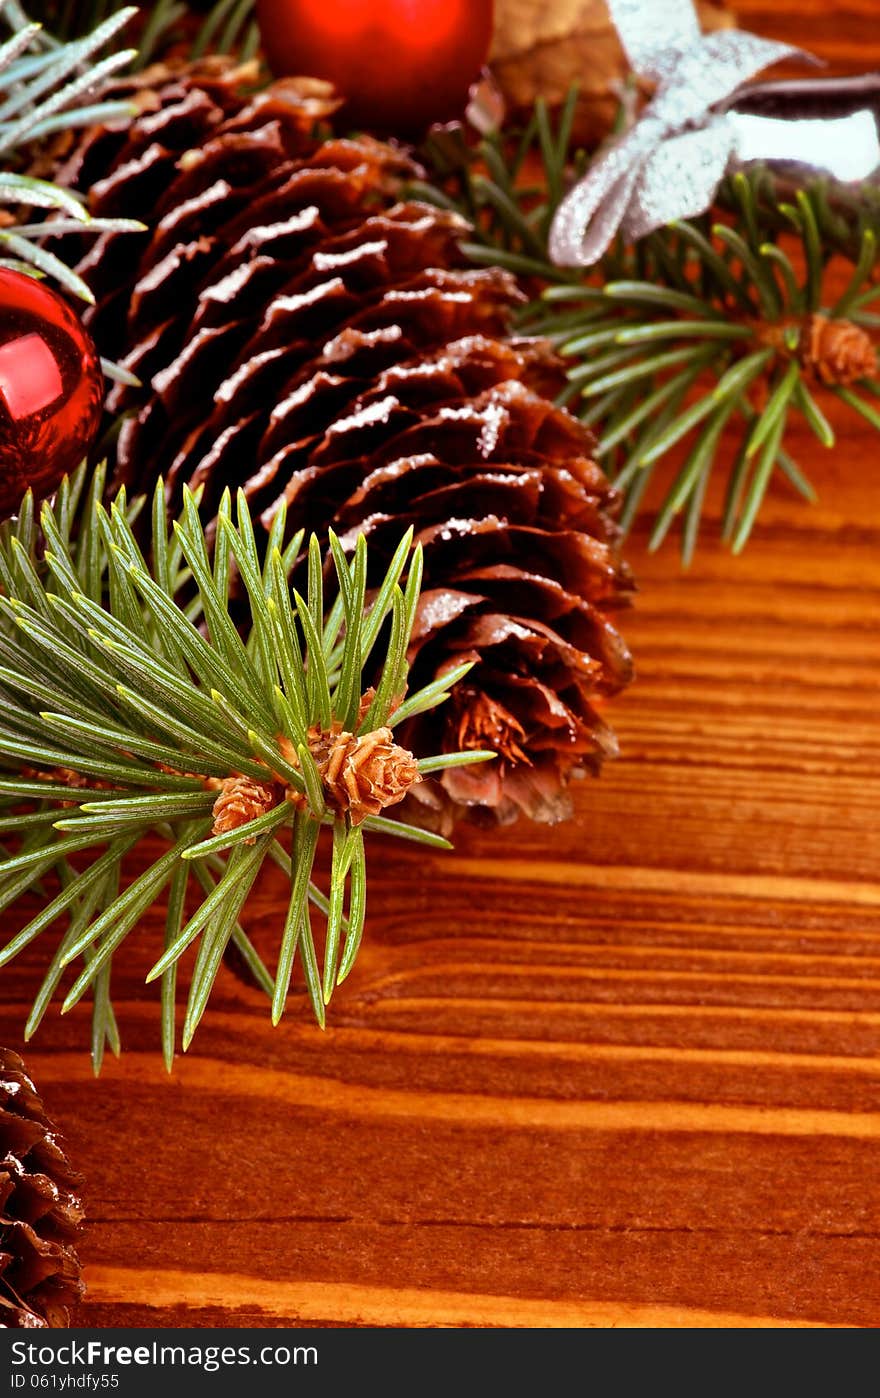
(622, 1072)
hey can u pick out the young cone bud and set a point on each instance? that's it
(362, 776)
(837, 351)
(242, 799)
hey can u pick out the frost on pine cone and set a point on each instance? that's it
(40, 1214)
(305, 332)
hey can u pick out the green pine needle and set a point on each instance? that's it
(228, 27)
(126, 706)
(691, 337)
(46, 86)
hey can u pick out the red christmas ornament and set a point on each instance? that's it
(399, 64)
(51, 389)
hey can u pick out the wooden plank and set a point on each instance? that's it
(620, 1072)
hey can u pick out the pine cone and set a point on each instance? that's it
(40, 1214)
(302, 332)
(362, 776)
(837, 351)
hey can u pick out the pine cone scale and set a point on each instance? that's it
(40, 1213)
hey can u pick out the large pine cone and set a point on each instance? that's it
(303, 334)
(40, 1214)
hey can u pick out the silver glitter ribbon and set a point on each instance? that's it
(670, 164)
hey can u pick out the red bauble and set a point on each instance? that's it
(399, 64)
(51, 389)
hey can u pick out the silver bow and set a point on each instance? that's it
(671, 162)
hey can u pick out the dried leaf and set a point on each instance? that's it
(540, 50)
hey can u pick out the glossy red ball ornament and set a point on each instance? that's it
(51, 389)
(399, 64)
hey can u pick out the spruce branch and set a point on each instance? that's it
(716, 327)
(46, 86)
(227, 27)
(133, 722)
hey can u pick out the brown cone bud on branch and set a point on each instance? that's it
(837, 351)
(362, 775)
(240, 800)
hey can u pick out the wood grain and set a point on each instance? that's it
(622, 1072)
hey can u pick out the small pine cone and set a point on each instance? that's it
(302, 332)
(241, 799)
(361, 776)
(40, 1213)
(837, 351)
